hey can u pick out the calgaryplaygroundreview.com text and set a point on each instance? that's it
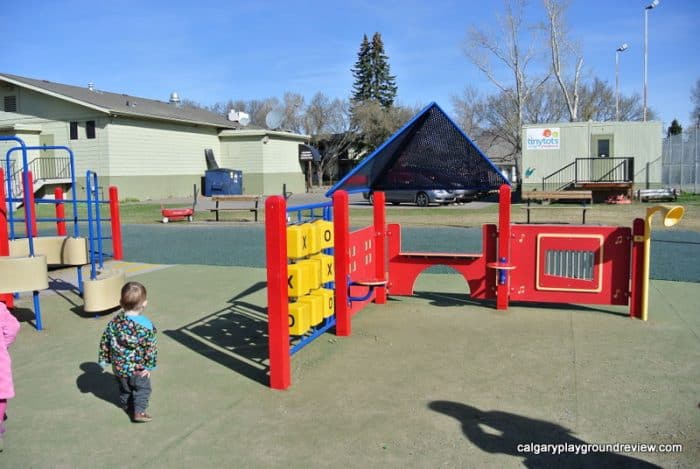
(586, 448)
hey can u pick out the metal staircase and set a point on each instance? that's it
(47, 172)
(602, 174)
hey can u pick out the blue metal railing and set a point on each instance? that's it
(302, 214)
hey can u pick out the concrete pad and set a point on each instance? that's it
(433, 380)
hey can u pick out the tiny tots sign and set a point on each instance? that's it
(543, 139)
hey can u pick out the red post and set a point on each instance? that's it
(277, 298)
(60, 212)
(4, 237)
(30, 209)
(637, 270)
(380, 259)
(341, 235)
(116, 223)
(502, 290)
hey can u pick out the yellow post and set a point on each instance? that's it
(672, 215)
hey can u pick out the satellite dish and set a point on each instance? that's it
(243, 118)
(273, 119)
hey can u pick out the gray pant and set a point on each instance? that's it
(134, 393)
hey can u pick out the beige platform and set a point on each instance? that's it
(19, 274)
(59, 250)
(103, 293)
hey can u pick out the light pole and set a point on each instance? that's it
(622, 48)
(652, 5)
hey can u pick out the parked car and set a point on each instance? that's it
(466, 195)
(422, 198)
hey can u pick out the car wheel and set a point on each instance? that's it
(190, 218)
(165, 220)
(422, 199)
(371, 199)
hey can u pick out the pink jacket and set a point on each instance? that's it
(9, 327)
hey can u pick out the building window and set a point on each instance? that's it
(74, 130)
(10, 103)
(90, 129)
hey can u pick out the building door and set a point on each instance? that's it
(46, 166)
(602, 164)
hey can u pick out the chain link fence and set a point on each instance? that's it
(681, 161)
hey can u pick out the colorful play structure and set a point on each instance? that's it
(27, 253)
(320, 273)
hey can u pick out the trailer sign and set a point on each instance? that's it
(543, 139)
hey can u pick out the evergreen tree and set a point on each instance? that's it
(373, 78)
(675, 128)
(362, 71)
(383, 82)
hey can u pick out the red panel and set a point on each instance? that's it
(361, 263)
(610, 284)
(277, 301)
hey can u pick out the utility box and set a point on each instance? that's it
(222, 181)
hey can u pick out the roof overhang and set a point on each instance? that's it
(260, 133)
(54, 95)
(20, 128)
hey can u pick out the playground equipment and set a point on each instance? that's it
(525, 263)
(25, 257)
(328, 272)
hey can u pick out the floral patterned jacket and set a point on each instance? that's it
(128, 346)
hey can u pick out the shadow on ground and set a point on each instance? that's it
(95, 380)
(235, 337)
(494, 432)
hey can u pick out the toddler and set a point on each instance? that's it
(129, 344)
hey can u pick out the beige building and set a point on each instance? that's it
(147, 148)
(586, 154)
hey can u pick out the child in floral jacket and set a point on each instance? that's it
(129, 344)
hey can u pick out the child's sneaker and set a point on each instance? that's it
(142, 417)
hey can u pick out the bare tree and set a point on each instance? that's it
(559, 46)
(598, 104)
(506, 48)
(695, 100)
(468, 108)
(328, 123)
(373, 124)
(546, 106)
(294, 109)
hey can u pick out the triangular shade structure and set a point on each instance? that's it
(429, 152)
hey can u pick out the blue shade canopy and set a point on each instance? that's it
(429, 152)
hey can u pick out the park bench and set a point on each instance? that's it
(249, 203)
(586, 198)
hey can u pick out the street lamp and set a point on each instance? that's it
(652, 5)
(622, 48)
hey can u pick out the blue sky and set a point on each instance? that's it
(215, 51)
